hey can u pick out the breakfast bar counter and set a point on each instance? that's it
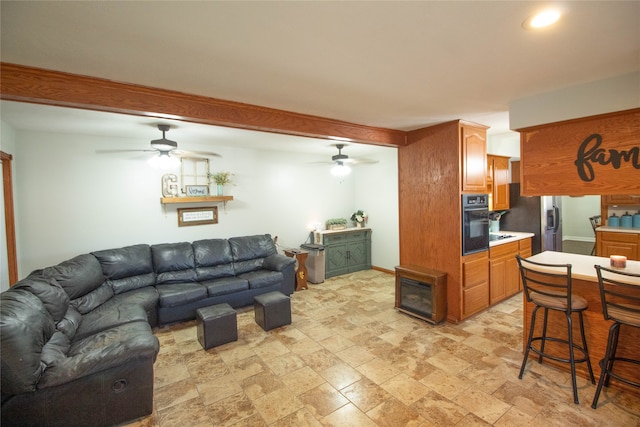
(585, 284)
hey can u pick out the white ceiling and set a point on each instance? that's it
(393, 64)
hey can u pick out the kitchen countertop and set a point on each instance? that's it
(582, 265)
(619, 229)
(517, 235)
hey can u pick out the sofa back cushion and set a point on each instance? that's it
(173, 263)
(25, 327)
(212, 259)
(78, 276)
(53, 297)
(127, 268)
(249, 251)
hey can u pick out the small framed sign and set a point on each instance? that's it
(196, 190)
(197, 216)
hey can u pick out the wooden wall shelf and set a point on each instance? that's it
(173, 200)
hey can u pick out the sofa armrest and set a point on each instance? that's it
(104, 350)
(277, 262)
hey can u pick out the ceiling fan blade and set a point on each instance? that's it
(185, 153)
(362, 161)
(125, 151)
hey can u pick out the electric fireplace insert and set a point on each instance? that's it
(421, 292)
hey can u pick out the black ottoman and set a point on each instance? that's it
(272, 310)
(217, 325)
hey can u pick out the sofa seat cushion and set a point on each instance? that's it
(177, 294)
(262, 278)
(106, 317)
(226, 285)
(107, 349)
(146, 298)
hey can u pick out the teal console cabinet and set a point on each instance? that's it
(346, 250)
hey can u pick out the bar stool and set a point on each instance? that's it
(548, 286)
(620, 303)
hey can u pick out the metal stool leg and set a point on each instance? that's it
(572, 360)
(586, 349)
(526, 352)
(544, 335)
(606, 364)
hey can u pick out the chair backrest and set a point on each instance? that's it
(548, 281)
(620, 295)
(595, 222)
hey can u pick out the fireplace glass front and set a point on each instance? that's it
(416, 297)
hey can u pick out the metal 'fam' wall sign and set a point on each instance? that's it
(590, 154)
(593, 155)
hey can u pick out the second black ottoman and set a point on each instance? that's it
(217, 325)
(272, 310)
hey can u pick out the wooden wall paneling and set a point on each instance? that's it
(40, 86)
(429, 205)
(592, 155)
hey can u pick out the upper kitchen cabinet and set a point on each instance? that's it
(620, 199)
(473, 149)
(498, 182)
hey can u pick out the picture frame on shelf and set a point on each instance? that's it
(197, 216)
(196, 190)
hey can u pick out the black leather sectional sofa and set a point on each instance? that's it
(77, 346)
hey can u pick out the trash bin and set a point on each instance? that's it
(315, 262)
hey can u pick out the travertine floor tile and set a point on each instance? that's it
(350, 359)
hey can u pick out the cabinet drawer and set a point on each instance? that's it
(620, 237)
(505, 249)
(475, 273)
(524, 245)
(344, 237)
(475, 299)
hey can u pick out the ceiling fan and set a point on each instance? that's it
(167, 150)
(341, 162)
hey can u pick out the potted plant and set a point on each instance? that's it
(336, 223)
(221, 179)
(359, 217)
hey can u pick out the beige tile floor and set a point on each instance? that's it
(350, 359)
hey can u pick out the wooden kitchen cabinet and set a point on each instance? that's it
(620, 200)
(498, 182)
(473, 150)
(503, 271)
(475, 283)
(612, 243)
(346, 251)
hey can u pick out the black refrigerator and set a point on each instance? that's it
(535, 214)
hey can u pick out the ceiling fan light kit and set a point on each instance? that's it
(164, 161)
(340, 169)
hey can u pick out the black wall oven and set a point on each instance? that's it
(475, 223)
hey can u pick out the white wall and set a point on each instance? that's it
(603, 96)
(7, 144)
(72, 200)
(575, 217)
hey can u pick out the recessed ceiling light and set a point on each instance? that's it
(542, 19)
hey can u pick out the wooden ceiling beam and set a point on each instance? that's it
(40, 86)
